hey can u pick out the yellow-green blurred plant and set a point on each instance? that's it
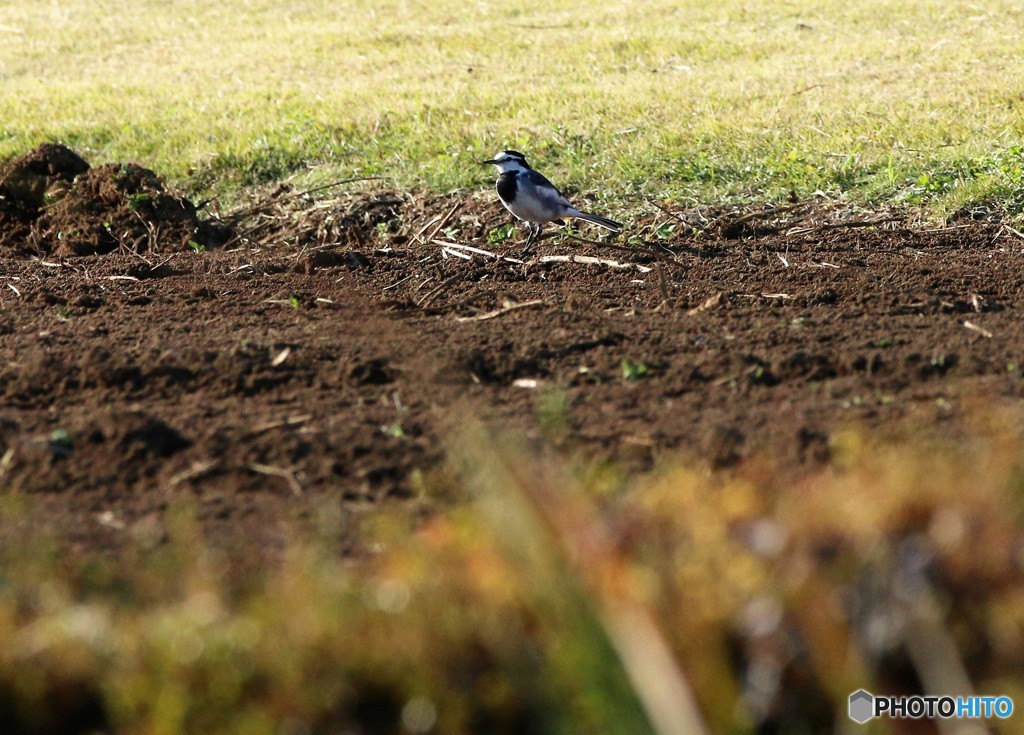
(553, 597)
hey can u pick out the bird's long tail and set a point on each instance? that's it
(609, 224)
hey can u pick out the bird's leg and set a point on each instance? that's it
(529, 236)
(535, 228)
(529, 240)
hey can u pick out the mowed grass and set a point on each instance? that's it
(879, 101)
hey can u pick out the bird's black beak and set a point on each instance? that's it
(488, 163)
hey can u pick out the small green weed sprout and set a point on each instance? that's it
(633, 371)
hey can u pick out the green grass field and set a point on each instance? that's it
(697, 102)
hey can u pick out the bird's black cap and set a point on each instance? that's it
(507, 155)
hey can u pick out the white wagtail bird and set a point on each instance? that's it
(532, 198)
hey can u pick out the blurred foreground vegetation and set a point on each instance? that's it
(556, 597)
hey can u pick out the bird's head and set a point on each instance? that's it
(508, 161)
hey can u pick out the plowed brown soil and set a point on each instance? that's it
(324, 356)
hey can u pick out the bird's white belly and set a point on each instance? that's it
(531, 209)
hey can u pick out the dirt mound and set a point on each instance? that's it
(48, 162)
(27, 182)
(53, 202)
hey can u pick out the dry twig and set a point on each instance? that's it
(273, 201)
(286, 421)
(443, 222)
(450, 246)
(624, 248)
(709, 303)
(980, 330)
(590, 260)
(671, 214)
(422, 303)
(398, 283)
(662, 284)
(1012, 231)
(499, 312)
(286, 475)
(198, 469)
(756, 215)
(849, 224)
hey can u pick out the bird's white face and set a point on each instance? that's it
(508, 161)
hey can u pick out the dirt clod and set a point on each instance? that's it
(53, 202)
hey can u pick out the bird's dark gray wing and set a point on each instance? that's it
(541, 182)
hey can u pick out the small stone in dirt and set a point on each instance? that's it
(823, 296)
(135, 434)
(50, 298)
(358, 260)
(89, 302)
(324, 259)
(372, 372)
(211, 234)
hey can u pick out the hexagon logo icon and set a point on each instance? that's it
(862, 706)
